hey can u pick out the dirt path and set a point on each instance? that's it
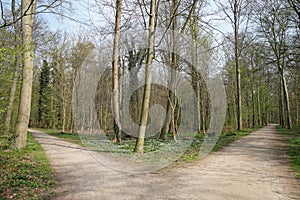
(254, 167)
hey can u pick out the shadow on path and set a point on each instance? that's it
(254, 167)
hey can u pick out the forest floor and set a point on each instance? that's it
(253, 167)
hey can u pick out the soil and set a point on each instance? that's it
(254, 167)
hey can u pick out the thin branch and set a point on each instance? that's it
(2, 12)
(47, 7)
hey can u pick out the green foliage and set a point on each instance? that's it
(225, 139)
(63, 135)
(25, 173)
(44, 113)
(229, 137)
(294, 147)
(10, 54)
(154, 143)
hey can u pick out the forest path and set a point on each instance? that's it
(254, 167)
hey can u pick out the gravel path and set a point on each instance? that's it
(254, 167)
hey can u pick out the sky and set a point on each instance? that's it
(87, 12)
(76, 11)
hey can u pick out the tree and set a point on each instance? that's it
(44, 112)
(28, 10)
(235, 15)
(16, 28)
(115, 68)
(139, 147)
(274, 25)
(295, 4)
(169, 125)
(43, 6)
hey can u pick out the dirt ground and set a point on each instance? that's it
(254, 167)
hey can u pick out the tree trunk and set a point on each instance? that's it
(115, 84)
(139, 147)
(13, 90)
(165, 129)
(202, 107)
(286, 99)
(259, 121)
(237, 67)
(281, 106)
(28, 9)
(198, 101)
(253, 107)
(12, 98)
(297, 101)
(169, 121)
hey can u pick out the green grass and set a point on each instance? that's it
(294, 147)
(229, 137)
(71, 137)
(25, 173)
(225, 139)
(154, 143)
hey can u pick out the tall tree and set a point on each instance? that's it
(274, 25)
(44, 96)
(139, 147)
(16, 28)
(115, 68)
(169, 125)
(234, 11)
(28, 10)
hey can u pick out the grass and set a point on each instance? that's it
(229, 137)
(224, 140)
(294, 147)
(154, 143)
(25, 173)
(71, 137)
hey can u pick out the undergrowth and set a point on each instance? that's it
(154, 143)
(294, 147)
(25, 173)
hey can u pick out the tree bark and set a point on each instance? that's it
(139, 147)
(28, 10)
(13, 90)
(237, 67)
(115, 68)
(286, 99)
(281, 105)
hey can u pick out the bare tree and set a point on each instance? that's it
(274, 24)
(115, 68)
(234, 10)
(139, 147)
(40, 7)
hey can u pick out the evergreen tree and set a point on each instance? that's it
(44, 95)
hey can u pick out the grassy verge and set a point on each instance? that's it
(294, 147)
(225, 139)
(154, 143)
(25, 173)
(70, 137)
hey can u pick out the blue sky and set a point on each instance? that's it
(82, 10)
